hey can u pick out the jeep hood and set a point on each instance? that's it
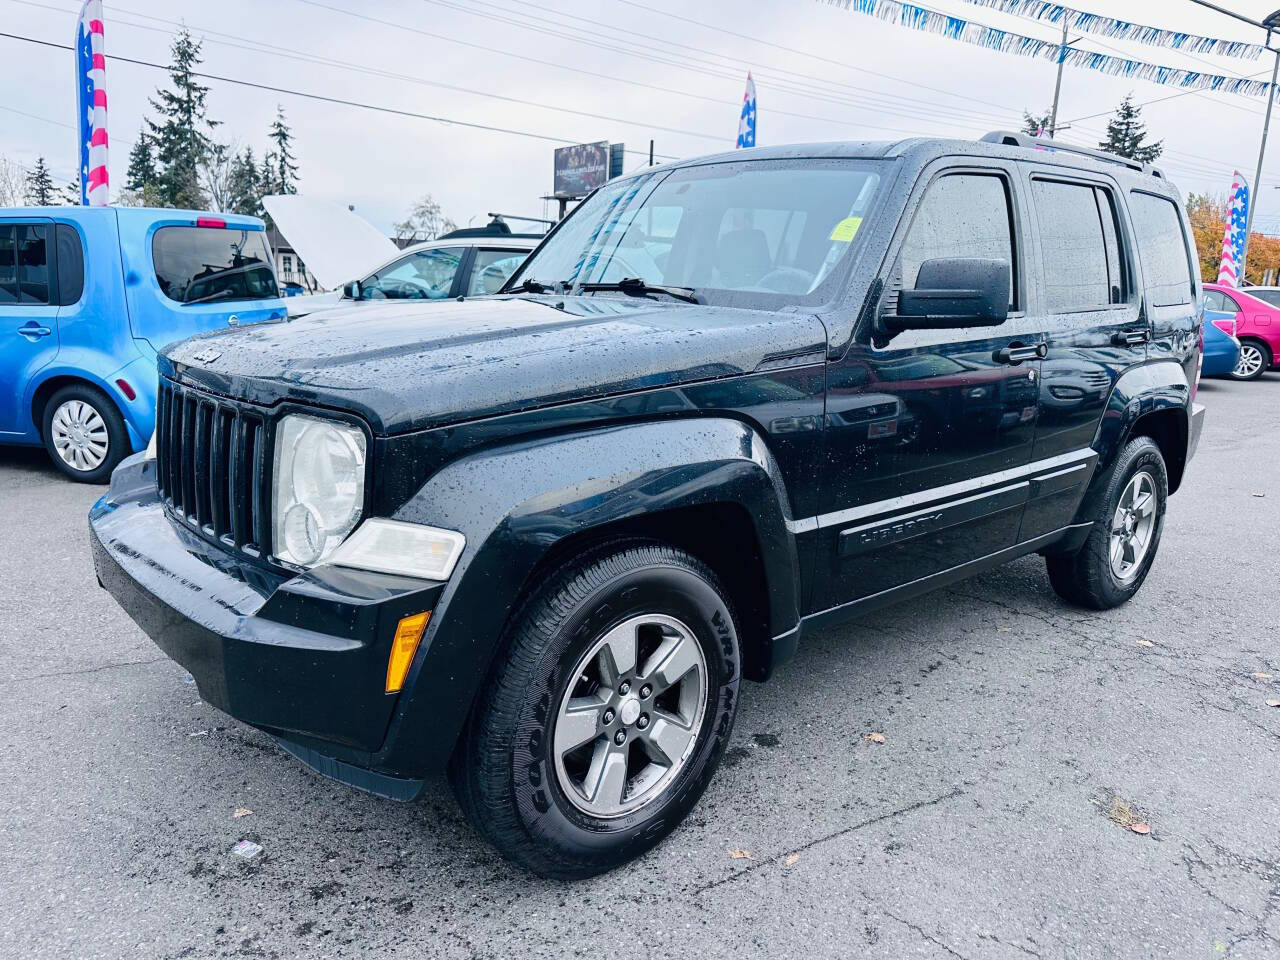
(411, 366)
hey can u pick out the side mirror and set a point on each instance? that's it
(352, 290)
(954, 292)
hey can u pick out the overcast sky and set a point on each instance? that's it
(619, 70)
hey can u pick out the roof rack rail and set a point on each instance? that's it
(1010, 139)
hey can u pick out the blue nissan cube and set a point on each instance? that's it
(87, 297)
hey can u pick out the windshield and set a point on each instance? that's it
(769, 231)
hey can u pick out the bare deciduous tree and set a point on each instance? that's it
(215, 175)
(13, 183)
(426, 221)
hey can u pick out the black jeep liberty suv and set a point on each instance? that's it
(538, 538)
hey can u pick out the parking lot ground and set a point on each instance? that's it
(1020, 737)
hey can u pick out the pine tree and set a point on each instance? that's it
(1033, 125)
(1126, 135)
(142, 166)
(40, 185)
(282, 169)
(181, 136)
(70, 195)
(246, 182)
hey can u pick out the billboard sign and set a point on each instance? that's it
(581, 168)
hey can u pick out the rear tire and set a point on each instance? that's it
(541, 772)
(1253, 362)
(1116, 558)
(84, 433)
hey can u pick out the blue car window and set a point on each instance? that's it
(70, 264)
(8, 265)
(203, 264)
(33, 264)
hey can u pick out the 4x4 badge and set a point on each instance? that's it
(207, 355)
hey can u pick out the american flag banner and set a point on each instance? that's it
(747, 121)
(91, 104)
(1233, 237)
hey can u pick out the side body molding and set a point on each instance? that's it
(515, 503)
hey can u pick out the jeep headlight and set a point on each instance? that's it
(317, 487)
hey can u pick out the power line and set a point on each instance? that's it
(340, 101)
(808, 85)
(864, 103)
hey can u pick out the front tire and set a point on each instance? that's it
(1116, 558)
(606, 714)
(84, 433)
(1253, 362)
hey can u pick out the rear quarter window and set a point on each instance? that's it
(208, 264)
(1162, 248)
(70, 264)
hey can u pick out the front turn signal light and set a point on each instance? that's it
(408, 635)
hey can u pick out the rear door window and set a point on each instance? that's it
(8, 263)
(491, 268)
(208, 264)
(1162, 246)
(24, 264)
(1080, 261)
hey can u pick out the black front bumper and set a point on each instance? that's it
(303, 657)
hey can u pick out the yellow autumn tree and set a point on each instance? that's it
(1208, 216)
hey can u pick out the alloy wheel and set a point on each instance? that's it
(80, 435)
(630, 718)
(1133, 526)
(1249, 363)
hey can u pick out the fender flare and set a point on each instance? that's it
(1149, 388)
(513, 509)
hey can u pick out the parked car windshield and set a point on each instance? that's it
(207, 264)
(767, 231)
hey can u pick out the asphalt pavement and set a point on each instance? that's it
(1021, 739)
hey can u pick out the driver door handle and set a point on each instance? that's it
(1018, 352)
(1129, 338)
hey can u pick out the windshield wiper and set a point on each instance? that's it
(537, 286)
(217, 295)
(639, 287)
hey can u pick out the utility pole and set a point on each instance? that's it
(1269, 24)
(1057, 87)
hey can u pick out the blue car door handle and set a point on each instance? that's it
(33, 331)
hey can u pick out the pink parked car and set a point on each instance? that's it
(1256, 325)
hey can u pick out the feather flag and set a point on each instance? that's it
(91, 102)
(747, 121)
(1101, 26)
(1233, 236)
(967, 31)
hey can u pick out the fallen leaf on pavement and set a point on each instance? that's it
(1273, 702)
(876, 737)
(740, 855)
(791, 859)
(1140, 828)
(1259, 675)
(242, 812)
(1145, 643)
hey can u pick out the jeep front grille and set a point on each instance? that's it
(213, 466)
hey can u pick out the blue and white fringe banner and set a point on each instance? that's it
(956, 28)
(1122, 29)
